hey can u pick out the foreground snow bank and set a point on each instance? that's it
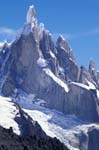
(8, 112)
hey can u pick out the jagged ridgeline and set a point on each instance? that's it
(36, 65)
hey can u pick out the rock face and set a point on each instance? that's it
(87, 141)
(78, 99)
(34, 64)
(84, 75)
(66, 60)
(10, 141)
(93, 72)
(93, 142)
(49, 51)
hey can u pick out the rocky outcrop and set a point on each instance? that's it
(49, 51)
(66, 60)
(93, 139)
(78, 99)
(80, 141)
(28, 126)
(23, 69)
(93, 73)
(87, 141)
(10, 141)
(84, 75)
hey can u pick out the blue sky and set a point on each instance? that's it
(77, 20)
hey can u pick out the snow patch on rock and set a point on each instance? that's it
(91, 85)
(87, 87)
(52, 54)
(42, 62)
(56, 79)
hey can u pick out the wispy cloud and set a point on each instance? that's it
(89, 33)
(70, 36)
(65, 35)
(7, 33)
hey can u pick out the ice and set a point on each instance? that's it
(42, 62)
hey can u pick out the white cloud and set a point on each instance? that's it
(7, 33)
(4, 30)
(71, 36)
(89, 33)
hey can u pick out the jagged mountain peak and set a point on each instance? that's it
(91, 65)
(62, 43)
(61, 37)
(4, 44)
(31, 24)
(41, 29)
(31, 16)
(36, 71)
(48, 74)
(36, 65)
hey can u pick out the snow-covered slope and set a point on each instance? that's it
(12, 116)
(8, 113)
(55, 123)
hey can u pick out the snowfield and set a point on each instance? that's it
(8, 112)
(56, 124)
